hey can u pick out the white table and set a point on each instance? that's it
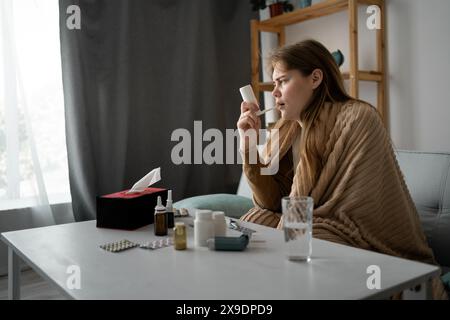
(260, 272)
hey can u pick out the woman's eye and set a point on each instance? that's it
(280, 82)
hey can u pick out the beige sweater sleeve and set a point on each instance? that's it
(269, 189)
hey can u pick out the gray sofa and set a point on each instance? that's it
(427, 176)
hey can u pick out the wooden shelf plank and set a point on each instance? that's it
(254, 36)
(354, 60)
(266, 86)
(364, 75)
(371, 2)
(263, 28)
(315, 11)
(381, 65)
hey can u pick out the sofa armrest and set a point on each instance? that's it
(233, 205)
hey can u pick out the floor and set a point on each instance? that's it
(33, 287)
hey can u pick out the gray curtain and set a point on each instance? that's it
(136, 71)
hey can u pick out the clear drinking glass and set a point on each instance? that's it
(297, 225)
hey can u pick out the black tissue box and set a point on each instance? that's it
(131, 211)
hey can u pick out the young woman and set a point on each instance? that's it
(335, 149)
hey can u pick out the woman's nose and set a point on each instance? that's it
(276, 93)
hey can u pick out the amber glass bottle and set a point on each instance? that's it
(160, 221)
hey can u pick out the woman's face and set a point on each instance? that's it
(293, 91)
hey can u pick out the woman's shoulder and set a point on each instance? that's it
(358, 110)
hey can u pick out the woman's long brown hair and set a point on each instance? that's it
(307, 56)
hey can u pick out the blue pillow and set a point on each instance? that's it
(233, 205)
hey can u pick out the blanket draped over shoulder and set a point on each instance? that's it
(360, 196)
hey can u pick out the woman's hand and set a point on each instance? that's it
(248, 121)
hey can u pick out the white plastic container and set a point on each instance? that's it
(220, 225)
(203, 227)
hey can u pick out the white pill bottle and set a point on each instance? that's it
(203, 227)
(220, 224)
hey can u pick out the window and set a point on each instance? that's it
(33, 156)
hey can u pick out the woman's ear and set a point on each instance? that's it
(316, 77)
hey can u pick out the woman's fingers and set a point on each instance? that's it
(249, 120)
(249, 106)
(251, 115)
(246, 122)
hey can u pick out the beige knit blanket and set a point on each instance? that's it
(360, 196)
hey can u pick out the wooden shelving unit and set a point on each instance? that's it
(279, 23)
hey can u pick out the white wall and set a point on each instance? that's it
(418, 57)
(419, 68)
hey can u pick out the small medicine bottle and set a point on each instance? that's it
(179, 236)
(160, 219)
(203, 227)
(220, 225)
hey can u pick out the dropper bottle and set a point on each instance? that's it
(160, 219)
(169, 211)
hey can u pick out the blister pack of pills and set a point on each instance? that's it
(157, 244)
(181, 213)
(119, 245)
(235, 226)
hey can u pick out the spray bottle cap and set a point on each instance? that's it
(169, 201)
(159, 206)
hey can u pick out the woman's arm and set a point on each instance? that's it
(269, 189)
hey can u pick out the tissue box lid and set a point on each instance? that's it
(124, 195)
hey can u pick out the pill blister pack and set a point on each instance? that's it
(126, 244)
(119, 245)
(235, 226)
(181, 213)
(157, 244)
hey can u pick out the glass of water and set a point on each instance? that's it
(297, 226)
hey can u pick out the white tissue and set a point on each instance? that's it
(149, 179)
